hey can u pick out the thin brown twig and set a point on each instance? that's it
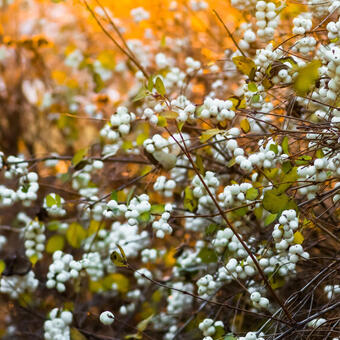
(244, 245)
(134, 60)
(229, 33)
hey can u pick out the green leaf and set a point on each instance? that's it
(252, 87)
(292, 205)
(270, 219)
(258, 212)
(54, 243)
(319, 153)
(286, 166)
(274, 202)
(252, 194)
(211, 229)
(75, 234)
(157, 209)
(130, 194)
(207, 255)
(58, 200)
(53, 225)
(284, 145)
(141, 94)
(306, 77)
(114, 195)
(199, 109)
(219, 331)
(160, 86)
(274, 148)
(231, 163)
(190, 203)
(180, 126)
(255, 98)
(64, 177)
(229, 337)
(144, 217)
(288, 180)
(150, 83)
(240, 212)
(303, 160)
(79, 156)
(50, 201)
(244, 64)
(271, 172)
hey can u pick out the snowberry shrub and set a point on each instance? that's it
(175, 192)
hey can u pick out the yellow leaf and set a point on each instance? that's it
(208, 134)
(2, 266)
(69, 305)
(76, 335)
(244, 65)
(159, 86)
(120, 280)
(79, 156)
(95, 286)
(169, 259)
(306, 78)
(72, 83)
(25, 299)
(75, 234)
(157, 296)
(127, 144)
(107, 59)
(34, 259)
(134, 336)
(199, 164)
(122, 252)
(162, 121)
(144, 324)
(170, 114)
(245, 125)
(93, 227)
(141, 138)
(121, 195)
(119, 260)
(298, 237)
(238, 102)
(166, 160)
(59, 77)
(54, 243)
